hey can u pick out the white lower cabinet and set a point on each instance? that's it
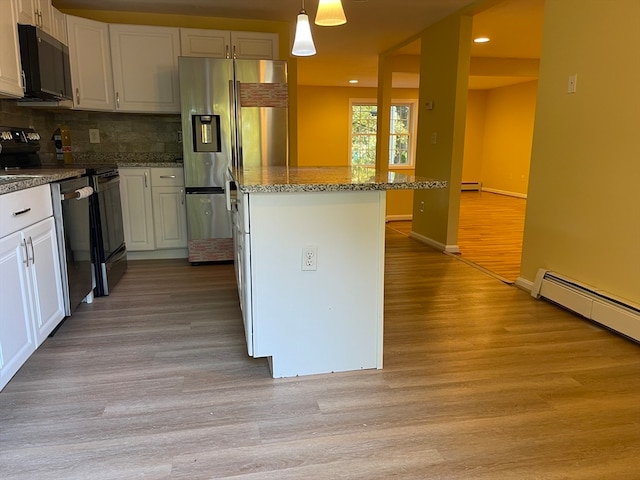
(153, 211)
(30, 280)
(333, 315)
(137, 212)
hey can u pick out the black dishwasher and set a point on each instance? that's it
(71, 202)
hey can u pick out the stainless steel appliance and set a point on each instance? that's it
(234, 114)
(109, 249)
(71, 199)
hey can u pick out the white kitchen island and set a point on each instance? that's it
(309, 245)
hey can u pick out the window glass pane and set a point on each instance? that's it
(363, 134)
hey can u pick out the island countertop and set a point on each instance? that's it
(327, 179)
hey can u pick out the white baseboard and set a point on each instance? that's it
(398, 218)
(158, 254)
(524, 284)
(433, 243)
(504, 192)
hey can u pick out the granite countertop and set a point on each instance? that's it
(12, 181)
(328, 179)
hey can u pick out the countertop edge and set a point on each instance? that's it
(39, 177)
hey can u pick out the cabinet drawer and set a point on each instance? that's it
(23, 208)
(167, 177)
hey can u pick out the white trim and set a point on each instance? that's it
(158, 254)
(504, 192)
(435, 244)
(398, 218)
(524, 284)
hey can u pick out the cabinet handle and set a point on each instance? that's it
(234, 52)
(21, 212)
(24, 81)
(167, 176)
(33, 251)
(26, 253)
(182, 196)
(117, 99)
(77, 96)
(226, 51)
(146, 182)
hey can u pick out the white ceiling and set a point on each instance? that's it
(373, 26)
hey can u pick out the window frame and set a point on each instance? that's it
(411, 144)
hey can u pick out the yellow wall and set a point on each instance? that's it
(508, 134)
(444, 74)
(583, 210)
(474, 136)
(324, 131)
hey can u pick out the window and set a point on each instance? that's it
(364, 116)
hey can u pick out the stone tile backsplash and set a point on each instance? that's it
(152, 137)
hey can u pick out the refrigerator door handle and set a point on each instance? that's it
(227, 191)
(239, 125)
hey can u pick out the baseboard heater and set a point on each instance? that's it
(470, 186)
(596, 305)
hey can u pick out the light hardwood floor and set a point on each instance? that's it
(480, 382)
(490, 232)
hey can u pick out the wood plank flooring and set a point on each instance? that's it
(480, 382)
(490, 232)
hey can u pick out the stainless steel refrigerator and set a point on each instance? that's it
(234, 114)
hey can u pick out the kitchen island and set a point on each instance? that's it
(309, 251)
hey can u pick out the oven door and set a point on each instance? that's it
(110, 211)
(111, 251)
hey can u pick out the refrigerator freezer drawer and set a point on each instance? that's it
(207, 216)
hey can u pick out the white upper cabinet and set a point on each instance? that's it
(38, 13)
(59, 25)
(145, 68)
(90, 59)
(196, 42)
(254, 45)
(10, 69)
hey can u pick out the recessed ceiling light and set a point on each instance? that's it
(353, 81)
(481, 40)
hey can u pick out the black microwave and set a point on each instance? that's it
(45, 65)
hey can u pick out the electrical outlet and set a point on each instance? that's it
(309, 257)
(94, 135)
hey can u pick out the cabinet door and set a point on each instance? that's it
(90, 59)
(137, 212)
(196, 42)
(16, 333)
(59, 25)
(255, 45)
(169, 217)
(145, 68)
(10, 69)
(45, 277)
(27, 11)
(44, 16)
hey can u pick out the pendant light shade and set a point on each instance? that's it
(303, 43)
(330, 13)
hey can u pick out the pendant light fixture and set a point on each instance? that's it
(303, 42)
(330, 13)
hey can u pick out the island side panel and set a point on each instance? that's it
(326, 320)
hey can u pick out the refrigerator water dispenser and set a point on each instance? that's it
(206, 133)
